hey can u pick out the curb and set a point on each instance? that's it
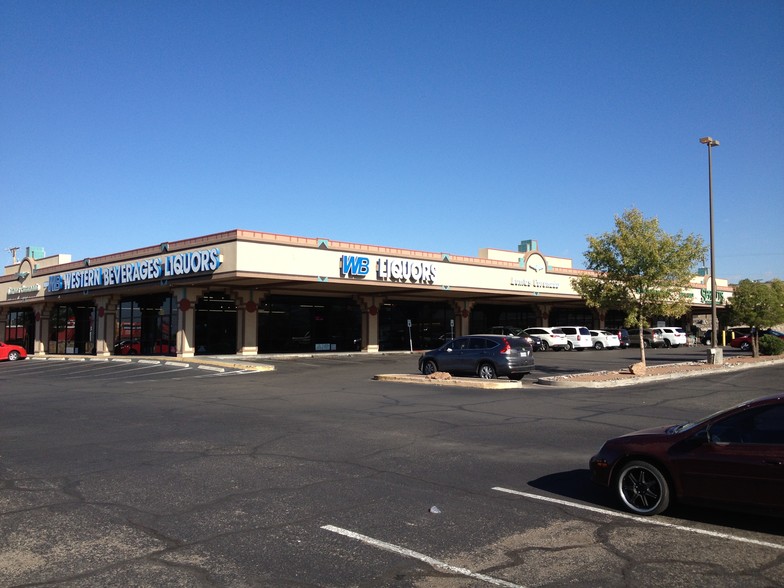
(567, 381)
(454, 382)
(564, 381)
(205, 364)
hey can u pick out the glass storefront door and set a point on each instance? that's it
(146, 325)
(72, 330)
(20, 328)
(216, 324)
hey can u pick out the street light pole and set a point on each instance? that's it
(710, 142)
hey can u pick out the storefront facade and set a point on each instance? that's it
(246, 292)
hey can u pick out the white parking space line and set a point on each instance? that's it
(420, 556)
(645, 520)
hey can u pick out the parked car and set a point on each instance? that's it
(486, 356)
(578, 338)
(12, 352)
(623, 336)
(605, 340)
(733, 457)
(650, 337)
(534, 341)
(552, 338)
(744, 343)
(673, 336)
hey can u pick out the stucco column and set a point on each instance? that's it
(369, 307)
(247, 323)
(186, 320)
(463, 310)
(104, 331)
(543, 314)
(41, 327)
(599, 317)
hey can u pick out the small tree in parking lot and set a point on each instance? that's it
(639, 269)
(757, 305)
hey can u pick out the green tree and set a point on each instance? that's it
(757, 305)
(639, 269)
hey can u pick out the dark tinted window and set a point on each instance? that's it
(477, 343)
(461, 343)
(763, 425)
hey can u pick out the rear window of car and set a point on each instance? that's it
(584, 331)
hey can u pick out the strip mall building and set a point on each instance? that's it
(245, 292)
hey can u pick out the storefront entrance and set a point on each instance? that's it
(20, 329)
(216, 324)
(146, 325)
(430, 325)
(72, 330)
(298, 325)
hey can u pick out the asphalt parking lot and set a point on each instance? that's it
(316, 475)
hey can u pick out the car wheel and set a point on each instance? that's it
(13, 355)
(666, 343)
(429, 367)
(745, 346)
(569, 346)
(487, 371)
(545, 345)
(642, 488)
(646, 343)
(598, 346)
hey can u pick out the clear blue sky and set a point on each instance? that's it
(443, 126)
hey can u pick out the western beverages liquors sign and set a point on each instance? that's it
(169, 266)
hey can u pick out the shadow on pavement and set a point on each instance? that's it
(577, 485)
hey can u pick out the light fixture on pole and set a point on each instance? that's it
(711, 142)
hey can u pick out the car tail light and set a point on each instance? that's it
(506, 348)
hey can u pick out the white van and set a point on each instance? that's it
(578, 338)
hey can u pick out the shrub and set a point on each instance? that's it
(771, 345)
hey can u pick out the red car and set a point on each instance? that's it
(12, 352)
(733, 458)
(744, 343)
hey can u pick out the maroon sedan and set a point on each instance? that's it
(733, 458)
(744, 342)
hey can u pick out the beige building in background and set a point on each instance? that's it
(247, 292)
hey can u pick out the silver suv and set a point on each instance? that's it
(650, 337)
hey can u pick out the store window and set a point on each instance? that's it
(216, 324)
(571, 316)
(486, 316)
(146, 325)
(430, 325)
(294, 324)
(20, 329)
(72, 330)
